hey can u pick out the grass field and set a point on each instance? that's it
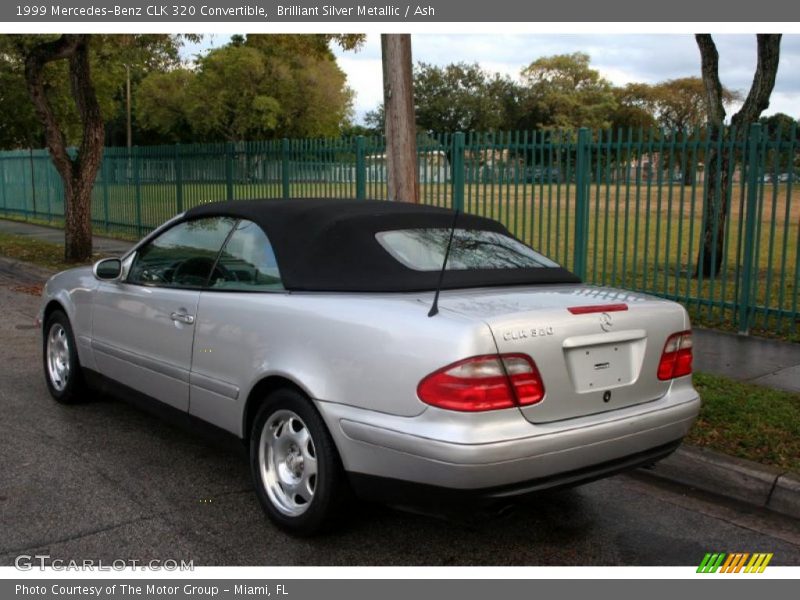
(640, 236)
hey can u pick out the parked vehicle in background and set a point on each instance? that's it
(395, 349)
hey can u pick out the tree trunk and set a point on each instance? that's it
(78, 222)
(401, 132)
(715, 208)
(78, 173)
(709, 259)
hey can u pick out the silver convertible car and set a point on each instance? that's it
(395, 350)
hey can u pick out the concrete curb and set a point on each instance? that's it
(744, 480)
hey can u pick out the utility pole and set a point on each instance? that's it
(401, 131)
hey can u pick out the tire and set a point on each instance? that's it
(62, 370)
(296, 469)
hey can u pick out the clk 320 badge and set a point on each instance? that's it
(523, 334)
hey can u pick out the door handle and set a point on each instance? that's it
(182, 317)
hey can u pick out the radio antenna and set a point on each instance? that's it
(435, 306)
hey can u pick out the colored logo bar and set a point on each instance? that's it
(736, 562)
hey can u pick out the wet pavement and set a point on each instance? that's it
(771, 363)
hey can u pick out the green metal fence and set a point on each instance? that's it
(621, 208)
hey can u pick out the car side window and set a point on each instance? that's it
(247, 262)
(183, 256)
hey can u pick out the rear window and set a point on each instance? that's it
(472, 249)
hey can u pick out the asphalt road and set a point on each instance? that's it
(105, 480)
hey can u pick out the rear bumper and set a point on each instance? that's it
(488, 453)
(396, 491)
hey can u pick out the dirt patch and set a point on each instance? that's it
(31, 290)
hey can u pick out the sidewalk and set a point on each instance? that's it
(770, 363)
(55, 235)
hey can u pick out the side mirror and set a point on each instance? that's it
(107, 269)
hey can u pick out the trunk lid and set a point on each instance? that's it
(589, 363)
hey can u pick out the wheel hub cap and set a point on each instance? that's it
(57, 355)
(287, 462)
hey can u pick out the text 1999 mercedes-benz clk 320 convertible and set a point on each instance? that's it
(386, 348)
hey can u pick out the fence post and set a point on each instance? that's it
(750, 216)
(178, 180)
(3, 182)
(457, 171)
(285, 166)
(137, 189)
(361, 169)
(104, 176)
(48, 188)
(33, 183)
(230, 153)
(581, 237)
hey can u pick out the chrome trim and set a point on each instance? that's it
(182, 317)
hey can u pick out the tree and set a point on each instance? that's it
(78, 172)
(123, 62)
(110, 58)
(634, 107)
(398, 100)
(679, 105)
(564, 92)
(676, 105)
(309, 84)
(459, 97)
(69, 100)
(259, 87)
(19, 125)
(231, 96)
(780, 126)
(315, 44)
(375, 120)
(161, 105)
(715, 206)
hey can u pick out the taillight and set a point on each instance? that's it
(676, 359)
(484, 383)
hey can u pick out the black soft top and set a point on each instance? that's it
(330, 245)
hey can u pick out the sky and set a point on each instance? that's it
(621, 58)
